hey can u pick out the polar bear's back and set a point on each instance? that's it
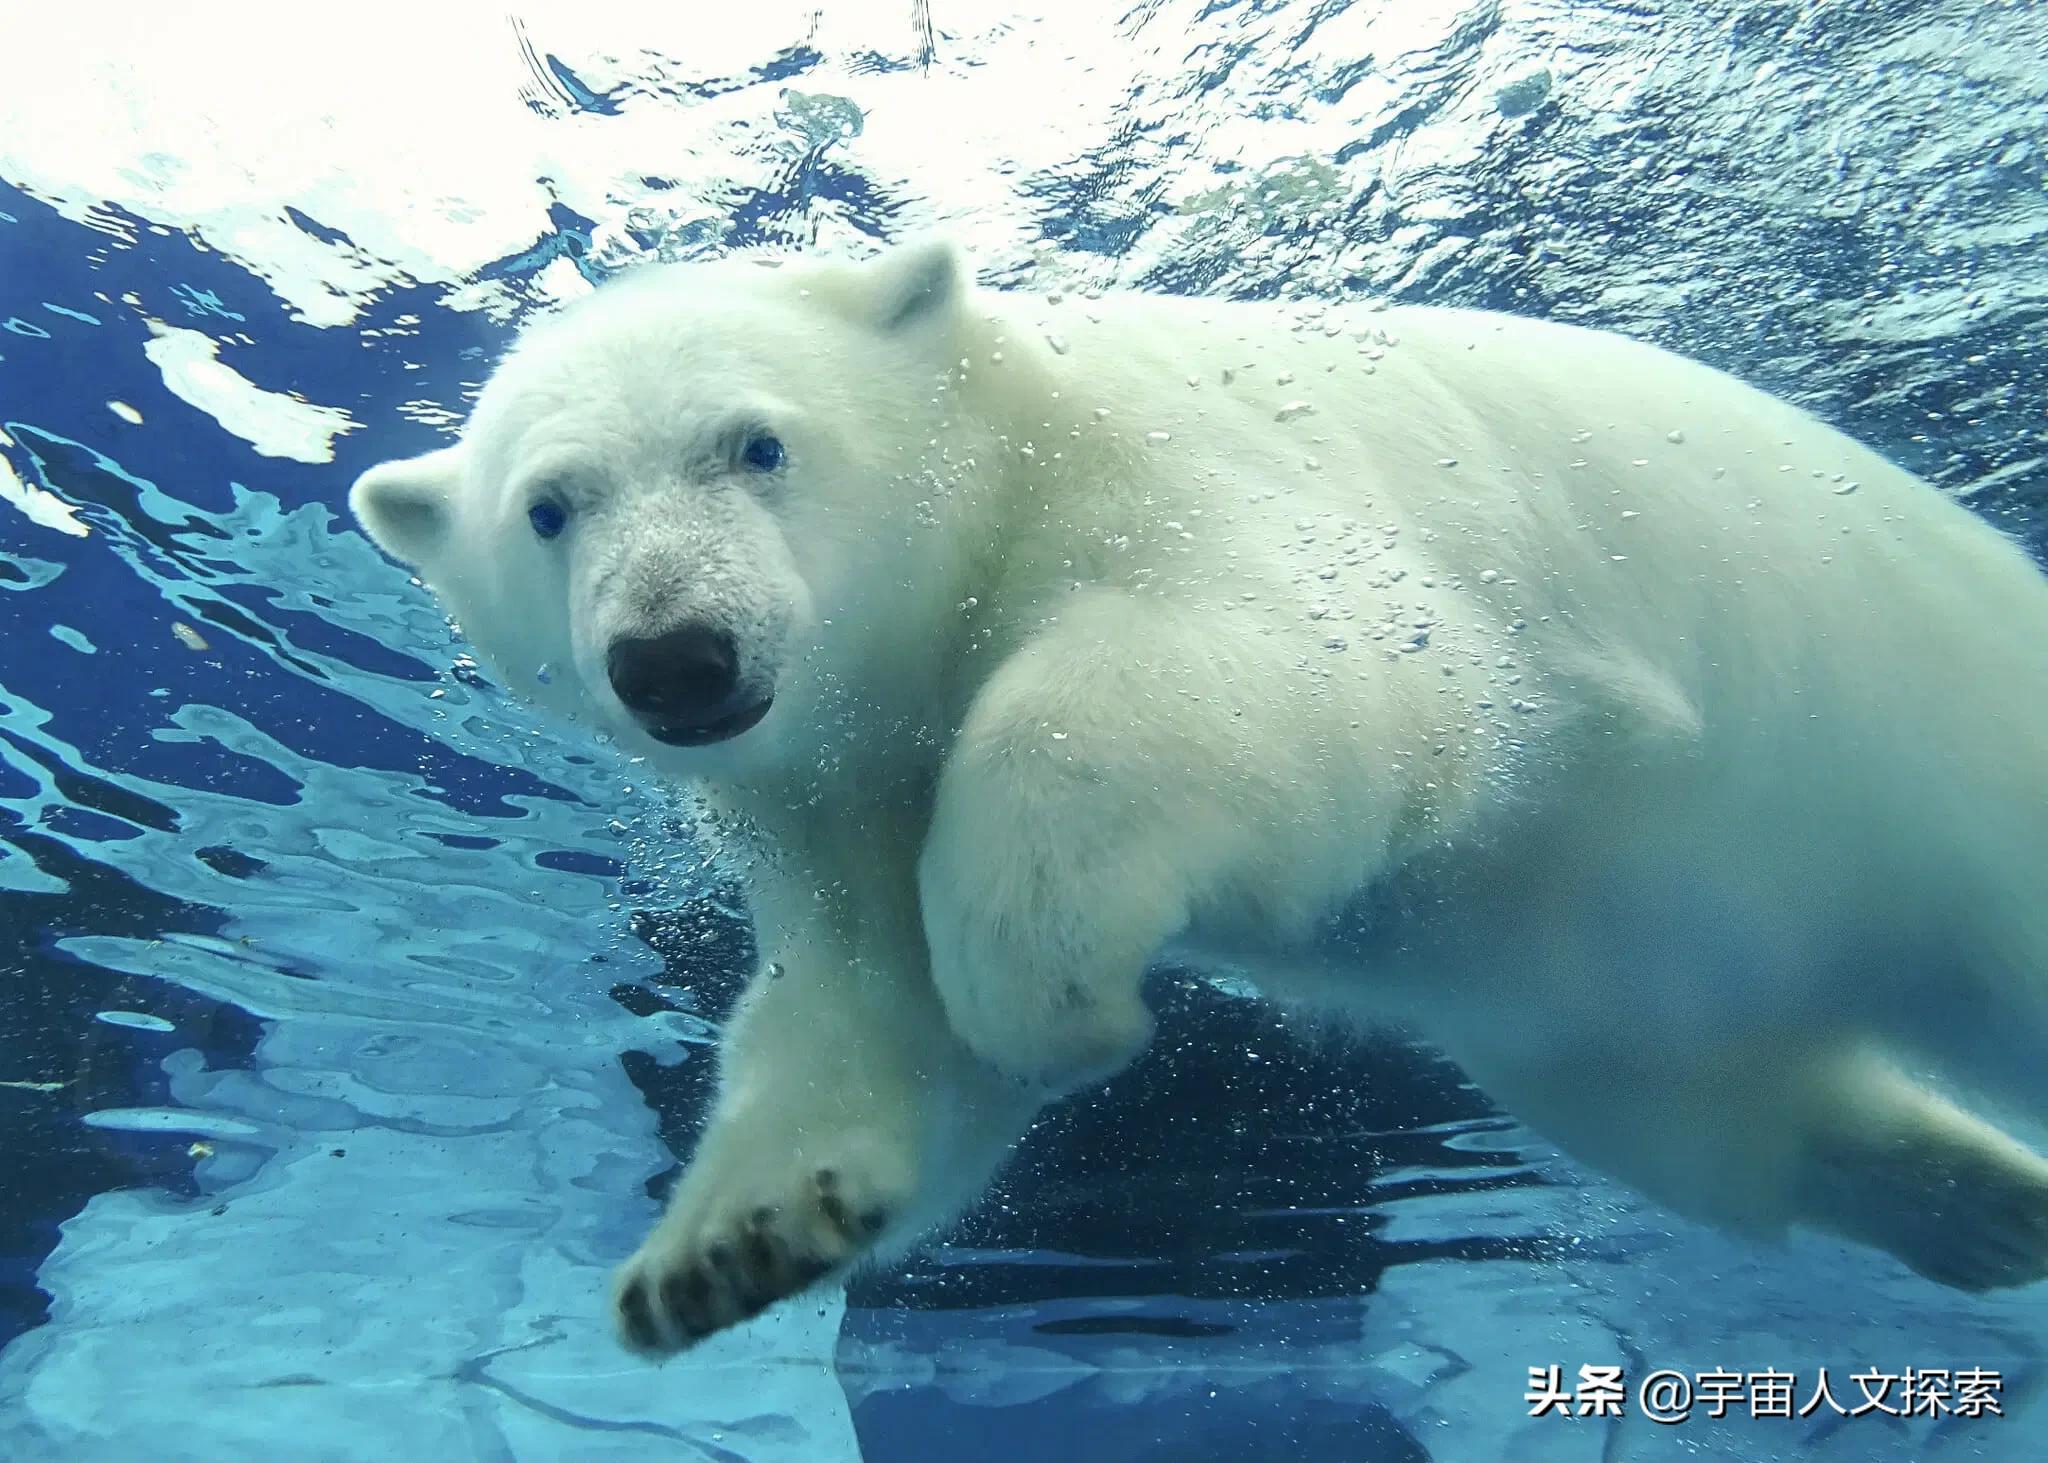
(1869, 660)
(1601, 489)
(1502, 435)
(1797, 658)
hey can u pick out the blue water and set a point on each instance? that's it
(352, 1017)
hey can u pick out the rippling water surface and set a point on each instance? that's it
(349, 1015)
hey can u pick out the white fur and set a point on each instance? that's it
(1673, 761)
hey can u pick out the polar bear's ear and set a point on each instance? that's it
(405, 506)
(913, 284)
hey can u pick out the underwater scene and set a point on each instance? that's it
(1174, 730)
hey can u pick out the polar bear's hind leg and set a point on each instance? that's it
(1896, 1166)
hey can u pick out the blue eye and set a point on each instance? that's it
(547, 517)
(762, 453)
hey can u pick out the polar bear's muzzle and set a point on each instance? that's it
(684, 687)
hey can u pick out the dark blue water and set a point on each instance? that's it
(352, 1019)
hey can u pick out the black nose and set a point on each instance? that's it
(682, 680)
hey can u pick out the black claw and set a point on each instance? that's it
(686, 1294)
(752, 1295)
(760, 1254)
(874, 1221)
(761, 1218)
(834, 1208)
(672, 1298)
(827, 1179)
(638, 1318)
(719, 1256)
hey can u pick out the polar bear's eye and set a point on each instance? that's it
(762, 453)
(547, 517)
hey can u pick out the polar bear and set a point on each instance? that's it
(1673, 762)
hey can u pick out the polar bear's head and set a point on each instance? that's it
(671, 493)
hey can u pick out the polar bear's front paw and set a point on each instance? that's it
(726, 1255)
